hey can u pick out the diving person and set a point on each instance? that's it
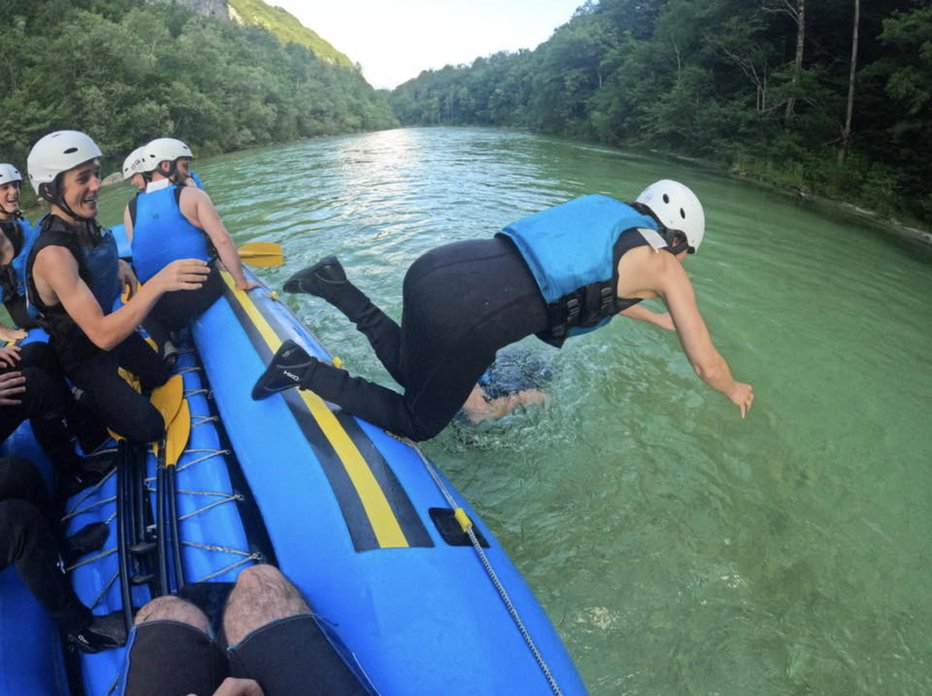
(566, 270)
(16, 239)
(74, 276)
(171, 221)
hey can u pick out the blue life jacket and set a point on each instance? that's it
(572, 251)
(22, 236)
(95, 251)
(197, 180)
(161, 234)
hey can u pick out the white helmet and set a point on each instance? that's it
(9, 174)
(135, 163)
(164, 149)
(677, 207)
(56, 153)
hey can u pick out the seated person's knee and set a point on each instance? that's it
(169, 608)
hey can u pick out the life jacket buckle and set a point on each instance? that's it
(607, 298)
(573, 310)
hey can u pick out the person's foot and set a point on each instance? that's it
(89, 538)
(75, 482)
(288, 368)
(108, 631)
(321, 279)
(170, 353)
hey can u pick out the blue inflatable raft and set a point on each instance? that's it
(360, 521)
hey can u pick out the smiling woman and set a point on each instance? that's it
(393, 49)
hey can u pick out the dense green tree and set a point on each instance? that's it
(761, 87)
(125, 71)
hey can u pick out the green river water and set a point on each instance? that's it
(677, 548)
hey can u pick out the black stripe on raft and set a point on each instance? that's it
(354, 511)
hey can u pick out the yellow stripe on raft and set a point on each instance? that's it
(384, 523)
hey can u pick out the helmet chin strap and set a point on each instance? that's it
(53, 194)
(675, 239)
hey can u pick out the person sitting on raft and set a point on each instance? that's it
(565, 270)
(171, 221)
(16, 239)
(275, 646)
(29, 541)
(134, 170)
(73, 278)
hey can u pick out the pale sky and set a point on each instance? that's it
(394, 40)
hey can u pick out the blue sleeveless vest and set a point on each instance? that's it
(571, 252)
(161, 234)
(22, 239)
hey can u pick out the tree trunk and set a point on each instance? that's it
(799, 14)
(846, 131)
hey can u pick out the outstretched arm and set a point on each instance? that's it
(677, 292)
(641, 313)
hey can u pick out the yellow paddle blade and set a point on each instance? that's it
(168, 397)
(262, 254)
(178, 431)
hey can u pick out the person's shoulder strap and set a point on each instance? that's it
(132, 209)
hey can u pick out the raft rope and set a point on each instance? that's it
(467, 525)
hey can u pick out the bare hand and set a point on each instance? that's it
(12, 384)
(9, 334)
(127, 277)
(247, 284)
(183, 274)
(232, 686)
(9, 356)
(743, 396)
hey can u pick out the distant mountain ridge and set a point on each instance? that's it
(283, 25)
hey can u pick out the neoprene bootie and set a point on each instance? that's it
(289, 367)
(89, 538)
(323, 279)
(327, 280)
(108, 631)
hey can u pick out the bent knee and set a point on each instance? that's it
(261, 578)
(149, 428)
(169, 608)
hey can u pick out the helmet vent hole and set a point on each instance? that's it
(70, 150)
(666, 198)
(682, 213)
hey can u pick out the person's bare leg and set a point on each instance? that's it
(261, 595)
(170, 608)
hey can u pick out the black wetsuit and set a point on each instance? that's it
(462, 302)
(28, 539)
(45, 402)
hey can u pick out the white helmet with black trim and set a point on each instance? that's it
(165, 149)
(56, 153)
(135, 163)
(678, 208)
(9, 174)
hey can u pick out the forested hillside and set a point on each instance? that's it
(125, 71)
(770, 88)
(287, 28)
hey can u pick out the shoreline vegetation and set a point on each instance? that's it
(814, 99)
